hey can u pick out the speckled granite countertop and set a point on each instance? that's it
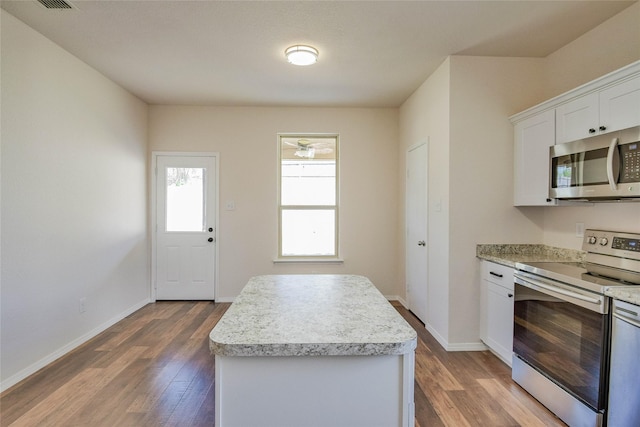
(627, 294)
(510, 254)
(311, 315)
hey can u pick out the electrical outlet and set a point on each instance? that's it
(82, 305)
(580, 229)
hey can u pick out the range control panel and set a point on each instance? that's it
(623, 245)
(626, 244)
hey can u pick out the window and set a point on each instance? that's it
(308, 196)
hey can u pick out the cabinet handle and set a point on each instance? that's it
(510, 295)
(592, 130)
(495, 274)
(603, 128)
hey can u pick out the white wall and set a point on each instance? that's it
(467, 102)
(463, 108)
(246, 139)
(610, 46)
(485, 91)
(425, 116)
(73, 204)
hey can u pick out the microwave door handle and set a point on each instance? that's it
(613, 164)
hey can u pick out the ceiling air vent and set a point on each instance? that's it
(55, 4)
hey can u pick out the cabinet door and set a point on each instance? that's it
(577, 119)
(620, 106)
(499, 330)
(533, 137)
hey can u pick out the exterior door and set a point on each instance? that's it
(185, 227)
(416, 224)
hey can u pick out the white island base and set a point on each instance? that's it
(315, 391)
(313, 351)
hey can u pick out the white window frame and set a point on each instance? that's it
(335, 207)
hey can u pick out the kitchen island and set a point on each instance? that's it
(313, 350)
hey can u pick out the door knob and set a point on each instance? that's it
(422, 243)
(210, 239)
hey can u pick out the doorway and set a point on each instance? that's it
(416, 229)
(185, 219)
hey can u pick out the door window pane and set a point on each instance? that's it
(185, 199)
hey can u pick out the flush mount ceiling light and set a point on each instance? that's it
(301, 55)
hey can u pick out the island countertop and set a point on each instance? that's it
(311, 315)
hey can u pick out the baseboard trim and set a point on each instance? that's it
(396, 298)
(467, 346)
(35, 367)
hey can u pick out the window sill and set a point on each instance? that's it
(308, 261)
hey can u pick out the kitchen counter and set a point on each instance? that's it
(311, 315)
(627, 294)
(510, 254)
(313, 351)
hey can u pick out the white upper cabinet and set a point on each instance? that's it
(620, 105)
(533, 137)
(608, 110)
(607, 104)
(577, 119)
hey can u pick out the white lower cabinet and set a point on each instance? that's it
(496, 309)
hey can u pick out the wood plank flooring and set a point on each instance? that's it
(154, 369)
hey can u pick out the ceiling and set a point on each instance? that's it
(372, 53)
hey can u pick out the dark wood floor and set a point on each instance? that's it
(154, 369)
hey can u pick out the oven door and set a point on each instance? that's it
(562, 332)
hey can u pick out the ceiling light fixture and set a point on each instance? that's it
(301, 55)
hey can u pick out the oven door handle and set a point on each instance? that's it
(629, 320)
(630, 315)
(534, 283)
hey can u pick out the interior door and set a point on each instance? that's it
(416, 224)
(185, 227)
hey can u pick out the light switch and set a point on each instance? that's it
(231, 205)
(580, 229)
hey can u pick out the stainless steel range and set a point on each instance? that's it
(562, 325)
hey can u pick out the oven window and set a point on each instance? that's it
(563, 341)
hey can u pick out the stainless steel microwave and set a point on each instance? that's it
(605, 167)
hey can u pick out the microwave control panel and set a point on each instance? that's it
(630, 157)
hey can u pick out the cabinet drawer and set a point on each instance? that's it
(498, 274)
